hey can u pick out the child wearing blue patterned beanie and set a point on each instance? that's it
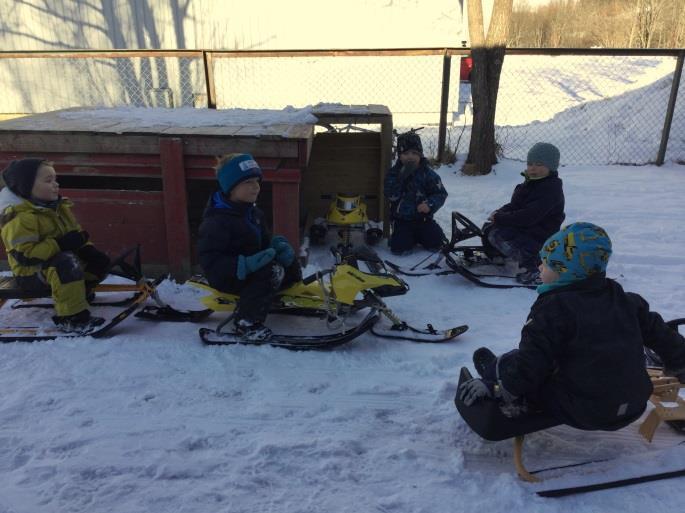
(581, 357)
(575, 253)
(236, 250)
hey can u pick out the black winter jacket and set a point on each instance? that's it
(584, 344)
(536, 207)
(228, 230)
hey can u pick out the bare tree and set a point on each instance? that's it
(488, 58)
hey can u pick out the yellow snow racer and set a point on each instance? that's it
(347, 213)
(336, 296)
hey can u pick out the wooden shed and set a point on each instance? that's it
(145, 175)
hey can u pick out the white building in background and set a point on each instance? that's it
(231, 24)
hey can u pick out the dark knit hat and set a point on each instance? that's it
(546, 154)
(577, 251)
(237, 168)
(20, 175)
(409, 141)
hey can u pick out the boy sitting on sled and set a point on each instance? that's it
(415, 193)
(581, 357)
(236, 250)
(45, 245)
(536, 211)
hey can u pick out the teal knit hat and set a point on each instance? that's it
(576, 252)
(546, 154)
(235, 169)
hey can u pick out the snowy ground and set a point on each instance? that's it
(151, 420)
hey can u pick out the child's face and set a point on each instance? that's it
(547, 275)
(246, 191)
(410, 156)
(537, 170)
(45, 187)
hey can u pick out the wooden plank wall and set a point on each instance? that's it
(342, 162)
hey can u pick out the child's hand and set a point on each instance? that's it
(423, 208)
(252, 263)
(284, 251)
(72, 240)
(475, 390)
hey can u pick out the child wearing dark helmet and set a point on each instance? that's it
(535, 211)
(236, 250)
(415, 193)
(581, 357)
(46, 247)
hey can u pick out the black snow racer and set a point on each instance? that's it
(482, 265)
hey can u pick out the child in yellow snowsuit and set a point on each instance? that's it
(45, 245)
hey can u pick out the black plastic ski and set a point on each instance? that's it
(168, 313)
(455, 268)
(294, 342)
(424, 271)
(478, 280)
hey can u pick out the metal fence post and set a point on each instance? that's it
(666, 132)
(444, 101)
(209, 79)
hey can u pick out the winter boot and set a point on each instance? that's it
(81, 323)
(529, 277)
(252, 331)
(485, 363)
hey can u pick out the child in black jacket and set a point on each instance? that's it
(536, 211)
(581, 357)
(236, 250)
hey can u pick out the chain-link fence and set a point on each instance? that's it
(40, 84)
(599, 108)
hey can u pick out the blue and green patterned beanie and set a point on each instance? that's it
(576, 252)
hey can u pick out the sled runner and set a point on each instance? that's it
(487, 419)
(336, 295)
(140, 289)
(475, 263)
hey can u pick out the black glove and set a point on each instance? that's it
(72, 240)
(475, 390)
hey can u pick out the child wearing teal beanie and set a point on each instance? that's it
(236, 250)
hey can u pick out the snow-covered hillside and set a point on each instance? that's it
(151, 420)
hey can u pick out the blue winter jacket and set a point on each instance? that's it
(423, 184)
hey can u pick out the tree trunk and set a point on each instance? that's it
(488, 58)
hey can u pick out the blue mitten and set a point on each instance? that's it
(284, 251)
(249, 264)
(475, 390)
